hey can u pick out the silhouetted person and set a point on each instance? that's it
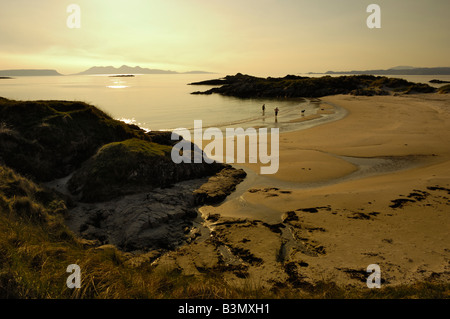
(276, 112)
(264, 108)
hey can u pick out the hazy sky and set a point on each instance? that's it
(260, 37)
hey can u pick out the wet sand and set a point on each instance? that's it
(371, 188)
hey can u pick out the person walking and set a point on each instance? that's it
(276, 111)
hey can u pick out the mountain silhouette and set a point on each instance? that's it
(400, 70)
(125, 69)
(29, 72)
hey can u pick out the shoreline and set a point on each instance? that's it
(342, 200)
(394, 216)
(318, 113)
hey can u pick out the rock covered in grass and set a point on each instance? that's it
(50, 139)
(444, 89)
(132, 166)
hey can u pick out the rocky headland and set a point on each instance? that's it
(292, 86)
(119, 183)
(435, 81)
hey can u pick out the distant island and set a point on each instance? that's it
(292, 86)
(95, 70)
(122, 76)
(29, 72)
(399, 70)
(439, 81)
(127, 70)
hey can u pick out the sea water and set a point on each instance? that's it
(163, 102)
(153, 101)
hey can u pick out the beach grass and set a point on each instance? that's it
(444, 89)
(36, 248)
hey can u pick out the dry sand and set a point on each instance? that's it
(372, 188)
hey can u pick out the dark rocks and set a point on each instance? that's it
(439, 81)
(434, 188)
(246, 256)
(246, 86)
(122, 76)
(313, 210)
(359, 215)
(219, 186)
(276, 228)
(399, 203)
(289, 216)
(415, 196)
(295, 278)
(158, 219)
(309, 210)
(211, 82)
(161, 219)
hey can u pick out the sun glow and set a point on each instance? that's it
(117, 86)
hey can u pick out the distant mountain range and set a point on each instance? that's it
(398, 70)
(124, 69)
(29, 72)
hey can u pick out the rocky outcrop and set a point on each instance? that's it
(439, 81)
(121, 183)
(160, 219)
(219, 186)
(132, 166)
(50, 139)
(291, 86)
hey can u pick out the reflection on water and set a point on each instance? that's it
(117, 86)
(158, 102)
(164, 102)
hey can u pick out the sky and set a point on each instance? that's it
(258, 37)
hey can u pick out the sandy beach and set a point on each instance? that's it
(371, 188)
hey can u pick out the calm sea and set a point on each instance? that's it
(164, 102)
